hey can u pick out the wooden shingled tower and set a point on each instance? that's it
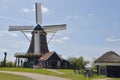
(38, 43)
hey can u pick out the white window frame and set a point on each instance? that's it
(102, 66)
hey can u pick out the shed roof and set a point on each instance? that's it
(110, 57)
(47, 56)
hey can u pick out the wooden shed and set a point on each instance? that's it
(108, 64)
(53, 60)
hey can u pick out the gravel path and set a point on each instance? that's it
(35, 76)
(104, 79)
(53, 70)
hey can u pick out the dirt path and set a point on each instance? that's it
(104, 79)
(35, 76)
(53, 70)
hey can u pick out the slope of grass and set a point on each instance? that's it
(67, 73)
(74, 76)
(31, 70)
(4, 76)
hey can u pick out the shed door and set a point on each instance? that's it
(113, 71)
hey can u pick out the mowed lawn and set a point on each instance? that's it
(67, 73)
(4, 76)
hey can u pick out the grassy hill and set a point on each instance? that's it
(66, 73)
(4, 76)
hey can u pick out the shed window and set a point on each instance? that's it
(102, 70)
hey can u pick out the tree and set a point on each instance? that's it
(93, 64)
(78, 63)
(1, 63)
(73, 61)
(5, 59)
(9, 64)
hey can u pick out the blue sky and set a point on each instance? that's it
(93, 26)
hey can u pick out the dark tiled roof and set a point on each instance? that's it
(38, 27)
(110, 57)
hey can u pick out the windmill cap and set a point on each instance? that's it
(38, 27)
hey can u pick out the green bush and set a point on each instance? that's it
(9, 64)
(1, 63)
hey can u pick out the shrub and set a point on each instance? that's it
(9, 64)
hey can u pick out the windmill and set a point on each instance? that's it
(38, 42)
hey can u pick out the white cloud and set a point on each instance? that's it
(5, 6)
(73, 17)
(59, 41)
(59, 34)
(62, 39)
(90, 14)
(45, 9)
(115, 24)
(16, 46)
(112, 39)
(1, 34)
(27, 10)
(19, 44)
(12, 18)
(69, 17)
(4, 50)
(29, 35)
(13, 34)
(65, 38)
(51, 34)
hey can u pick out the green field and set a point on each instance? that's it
(4, 76)
(67, 73)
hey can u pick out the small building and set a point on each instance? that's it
(47, 60)
(53, 60)
(108, 64)
(88, 71)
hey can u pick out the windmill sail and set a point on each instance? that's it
(38, 13)
(20, 28)
(38, 44)
(54, 28)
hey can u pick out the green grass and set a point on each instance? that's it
(74, 76)
(39, 71)
(68, 73)
(4, 76)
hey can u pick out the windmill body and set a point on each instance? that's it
(38, 49)
(38, 44)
